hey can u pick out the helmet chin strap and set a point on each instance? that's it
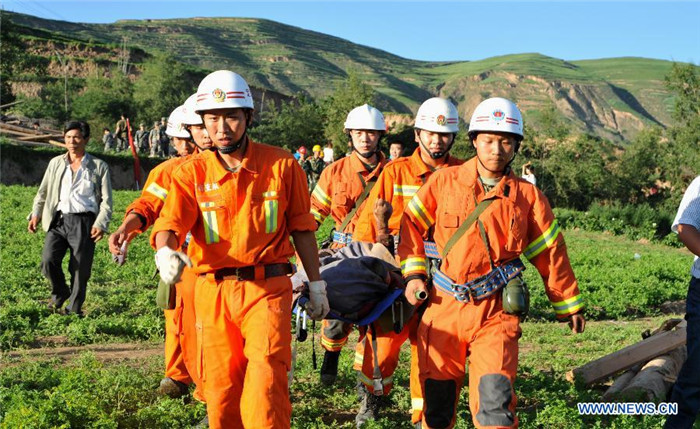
(234, 147)
(436, 155)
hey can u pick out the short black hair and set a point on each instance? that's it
(78, 125)
(400, 143)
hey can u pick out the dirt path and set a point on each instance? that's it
(50, 347)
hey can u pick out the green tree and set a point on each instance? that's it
(642, 166)
(298, 122)
(103, 100)
(49, 103)
(164, 84)
(347, 95)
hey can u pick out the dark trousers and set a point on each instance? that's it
(69, 232)
(686, 391)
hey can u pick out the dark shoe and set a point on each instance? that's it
(67, 312)
(370, 405)
(55, 305)
(329, 368)
(172, 388)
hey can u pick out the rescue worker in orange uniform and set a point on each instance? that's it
(241, 204)
(477, 292)
(436, 125)
(341, 192)
(185, 129)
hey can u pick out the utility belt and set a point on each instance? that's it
(252, 272)
(481, 287)
(342, 238)
(431, 250)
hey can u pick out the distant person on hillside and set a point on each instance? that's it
(328, 155)
(154, 140)
(141, 138)
(35, 126)
(686, 391)
(528, 173)
(314, 166)
(164, 139)
(395, 150)
(120, 134)
(107, 140)
(74, 204)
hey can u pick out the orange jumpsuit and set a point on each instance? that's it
(180, 333)
(399, 181)
(335, 193)
(241, 219)
(518, 222)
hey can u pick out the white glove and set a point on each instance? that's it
(317, 307)
(170, 264)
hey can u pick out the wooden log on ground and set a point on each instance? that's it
(652, 382)
(45, 136)
(620, 383)
(629, 356)
(57, 143)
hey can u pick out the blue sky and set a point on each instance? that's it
(442, 31)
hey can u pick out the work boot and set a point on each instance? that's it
(329, 368)
(172, 388)
(370, 405)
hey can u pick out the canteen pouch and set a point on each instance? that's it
(516, 297)
(165, 296)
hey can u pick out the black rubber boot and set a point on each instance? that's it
(370, 405)
(329, 368)
(172, 388)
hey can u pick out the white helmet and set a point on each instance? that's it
(223, 89)
(176, 125)
(437, 115)
(365, 117)
(497, 114)
(191, 116)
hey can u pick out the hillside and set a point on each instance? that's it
(612, 98)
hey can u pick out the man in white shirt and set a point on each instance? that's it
(328, 155)
(529, 173)
(74, 204)
(686, 391)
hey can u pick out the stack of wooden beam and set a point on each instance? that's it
(646, 369)
(17, 133)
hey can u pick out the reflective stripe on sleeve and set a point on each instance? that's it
(407, 191)
(542, 242)
(415, 264)
(420, 213)
(158, 191)
(568, 306)
(321, 196)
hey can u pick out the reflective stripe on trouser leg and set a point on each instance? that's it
(493, 364)
(334, 334)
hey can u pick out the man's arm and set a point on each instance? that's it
(39, 200)
(690, 236)
(101, 224)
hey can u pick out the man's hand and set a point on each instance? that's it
(416, 291)
(116, 240)
(33, 222)
(577, 323)
(170, 264)
(318, 307)
(96, 234)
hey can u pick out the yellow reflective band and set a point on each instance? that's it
(321, 196)
(416, 404)
(543, 242)
(405, 190)
(420, 213)
(157, 191)
(207, 205)
(270, 194)
(568, 306)
(270, 216)
(359, 358)
(414, 264)
(211, 226)
(369, 382)
(317, 215)
(332, 345)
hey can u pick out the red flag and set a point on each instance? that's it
(134, 152)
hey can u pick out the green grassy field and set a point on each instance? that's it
(58, 371)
